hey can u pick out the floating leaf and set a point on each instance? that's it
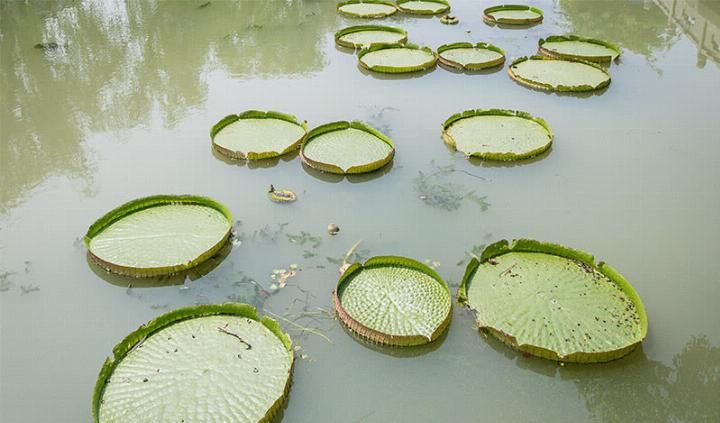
(497, 134)
(553, 302)
(558, 74)
(470, 56)
(449, 20)
(365, 35)
(396, 58)
(255, 135)
(158, 235)
(423, 7)
(196, 364)
(574, 47)
(281, 195)
(394, 301)
(512, 14)
(346, 147)
(366, 8)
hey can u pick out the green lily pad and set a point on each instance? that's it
(365, 35)
(204, 363)
(470, 56)
(393, 301)
(423, 7)
(574, 47)
(256, 135)
(497, 134)
(558, 74)
(553, 302)
(396, 58)
(158, 235)
(366, 8)
(512, 14)
(346, 147)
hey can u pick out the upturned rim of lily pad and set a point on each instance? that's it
(498, 112)
(423, 11)
(561, 38)
(471, 66)
(144, 203)
(377, 336)
(366, 16)
(490, 19)
(133, 339)
(395, 69)
(532, 246)
(340, 126)
(255, 114)
(362, 28)
(560, 88)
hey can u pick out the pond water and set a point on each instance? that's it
(121, 107)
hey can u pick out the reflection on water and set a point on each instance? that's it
(700, 20)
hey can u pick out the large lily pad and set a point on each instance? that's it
(512, 14)
(393, 301)
(346, 147)
(497, 134)
(574, 47)
(365, 35)
(558, 74)
(205, 363)
(255, 135)
(158, 235)
(553, 302)
(423, 7)
(470, 56)
(366, 8)
(396, 58)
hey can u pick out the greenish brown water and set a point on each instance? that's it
(121, 107)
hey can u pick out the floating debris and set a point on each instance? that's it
(333, 229)
(449, 20)
(281, 195)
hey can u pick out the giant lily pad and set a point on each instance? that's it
(346, 147)
(255, 135)
(364, 35)
(470, 57)
(393, 301)
(366, 8)
(553, 302)
(396, 58)
(205, 363)
(158, 235)
(558, 74)
(512, 14)
(497, 134)
(423, 7)
(574, 47)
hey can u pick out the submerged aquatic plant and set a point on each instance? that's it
(435, 190)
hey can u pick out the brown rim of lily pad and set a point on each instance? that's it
(487, 17)
(560, 88)
(445, 6)
(564, 38)
(470, 66)
(362, 28)
(367, 16)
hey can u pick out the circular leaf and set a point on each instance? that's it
(558, 74)
(255, 135)
(346, 147)
(365, 35)
(393, 301)
(574, 47)
(553, 302)
(366, 8)
(423, 7)
(158, 235)
(512, 14)
(497, 134)
(470, 57)
(203, 363)
(395, 58)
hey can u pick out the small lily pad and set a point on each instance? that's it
(396, 58)
(393, 301)
(255, 135)
(574, 47)
(512, 14)
(158, 235)
(366, 8)
(470, 56)
(365, 35)
(196, 364)
(281, 195)
(423, 7)
(558, 74)
(497, 134)
(449, 20)
(553, 302)
(346, 147)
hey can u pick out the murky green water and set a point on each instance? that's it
(122, 107)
